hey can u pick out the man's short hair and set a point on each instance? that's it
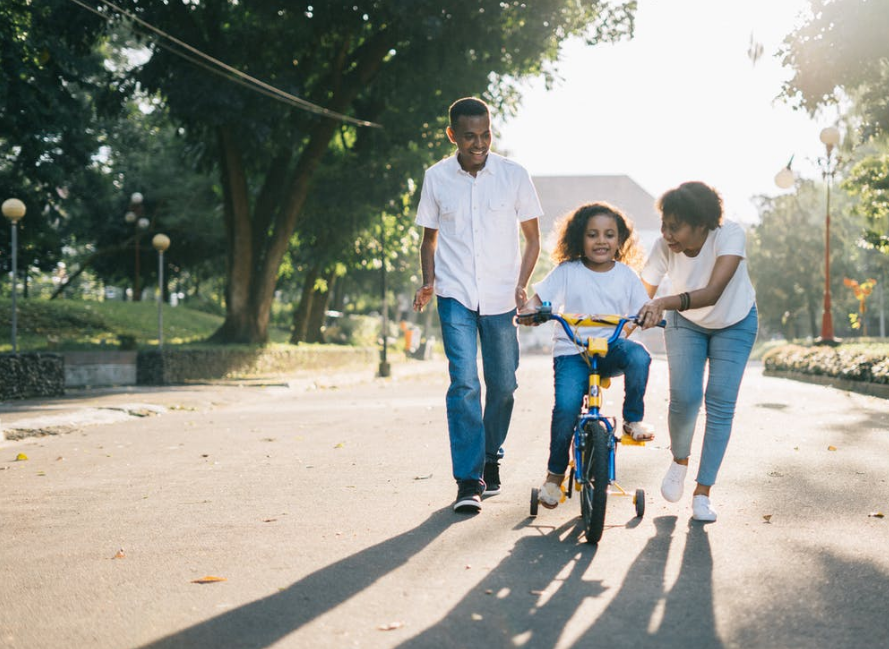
(468, 106)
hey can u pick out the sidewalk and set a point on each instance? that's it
(79, 408)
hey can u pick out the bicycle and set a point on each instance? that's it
(594, 442)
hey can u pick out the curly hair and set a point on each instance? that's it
(571, 231)
(695, 203)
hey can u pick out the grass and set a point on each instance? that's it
(59, 325)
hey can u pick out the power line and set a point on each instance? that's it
(225, 70)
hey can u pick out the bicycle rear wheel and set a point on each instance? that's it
(594, 494)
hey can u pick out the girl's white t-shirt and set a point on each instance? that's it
(692, 273)
(571, 287)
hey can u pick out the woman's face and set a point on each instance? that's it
(682, 237)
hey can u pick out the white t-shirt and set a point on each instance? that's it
(478, 257)
(692, 273)
(571, 287)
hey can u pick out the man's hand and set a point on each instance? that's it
(423, 295)
(521, 296)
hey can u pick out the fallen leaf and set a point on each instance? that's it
(422, 477)
(477, 617)
(875, 515)
(489, 592)
(209, 579)
(269, 520)
(21, 457)
(831, 448)
(767, 518)
(119, 555)
(340, 445)
(391, 626)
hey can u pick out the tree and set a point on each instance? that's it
(786, 260)
(842, 46)
(397, 63)
(53, 85)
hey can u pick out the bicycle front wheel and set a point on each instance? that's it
(594, 494)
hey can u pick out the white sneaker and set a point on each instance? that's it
(550, 494)
(674, 482)
(639, 431)
(701, 509)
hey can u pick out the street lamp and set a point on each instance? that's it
(134, 217)
(830, 137)
(160, 242)
(14, 210)
(385, 368)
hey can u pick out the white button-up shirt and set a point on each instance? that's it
(478, 255)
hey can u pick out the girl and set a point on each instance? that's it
(711, 324)
(591, 277)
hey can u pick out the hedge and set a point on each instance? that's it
(853, 363)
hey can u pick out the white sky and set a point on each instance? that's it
(680, 101)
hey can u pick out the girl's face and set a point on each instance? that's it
(683, 237)
(601, 242)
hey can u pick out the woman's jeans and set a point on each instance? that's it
(476, 437)
(572, 380)
(690, 348)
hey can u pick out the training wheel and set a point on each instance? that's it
(534, 501)
(639, 501)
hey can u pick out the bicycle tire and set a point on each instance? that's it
(594, 494)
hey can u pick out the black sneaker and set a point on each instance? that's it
(492, 478)
(469, 500)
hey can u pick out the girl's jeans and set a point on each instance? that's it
(690, 348)
(572, 379)
(477, 437)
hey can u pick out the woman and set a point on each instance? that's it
(711, 320)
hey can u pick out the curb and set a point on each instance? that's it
(861, 387)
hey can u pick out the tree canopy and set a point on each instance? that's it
(398, 64)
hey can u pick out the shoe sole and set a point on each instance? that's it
(467, 506)
(491, 492)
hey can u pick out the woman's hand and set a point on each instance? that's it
(423, 295)
(651, 314)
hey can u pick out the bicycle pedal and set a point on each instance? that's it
(627, 440)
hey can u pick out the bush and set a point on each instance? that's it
(869, 363)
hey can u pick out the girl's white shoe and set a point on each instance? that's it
(550, 494)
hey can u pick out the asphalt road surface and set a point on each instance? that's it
(326, 509)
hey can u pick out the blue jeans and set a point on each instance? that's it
(476, 437)
(572, 380)
(690, 349)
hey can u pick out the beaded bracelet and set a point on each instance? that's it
(684, 301)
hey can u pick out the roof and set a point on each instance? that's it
(560, 195)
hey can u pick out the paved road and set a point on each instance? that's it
(327, 510)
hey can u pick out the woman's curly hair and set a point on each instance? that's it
(571, 231)
(693, 202)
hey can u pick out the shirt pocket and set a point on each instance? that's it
(450, 219)
(501, 208)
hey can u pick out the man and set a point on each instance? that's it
(471, 207)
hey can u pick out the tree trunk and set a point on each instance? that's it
(318, 309)
(301, 312)
(257, 242)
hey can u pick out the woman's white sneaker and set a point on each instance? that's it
(701, 509)
(674, 482)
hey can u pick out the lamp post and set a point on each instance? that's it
(830, 137)
(385, 367)
(134, 217)
(14, 210)
(160, 242)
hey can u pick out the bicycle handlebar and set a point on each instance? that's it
(544, 313)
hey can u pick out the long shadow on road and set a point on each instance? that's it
(531, 597)
(265, 621)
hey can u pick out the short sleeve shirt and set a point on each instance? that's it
(692, 273)
(478, 255)
(571, 287)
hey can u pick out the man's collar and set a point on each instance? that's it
(492, 164)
